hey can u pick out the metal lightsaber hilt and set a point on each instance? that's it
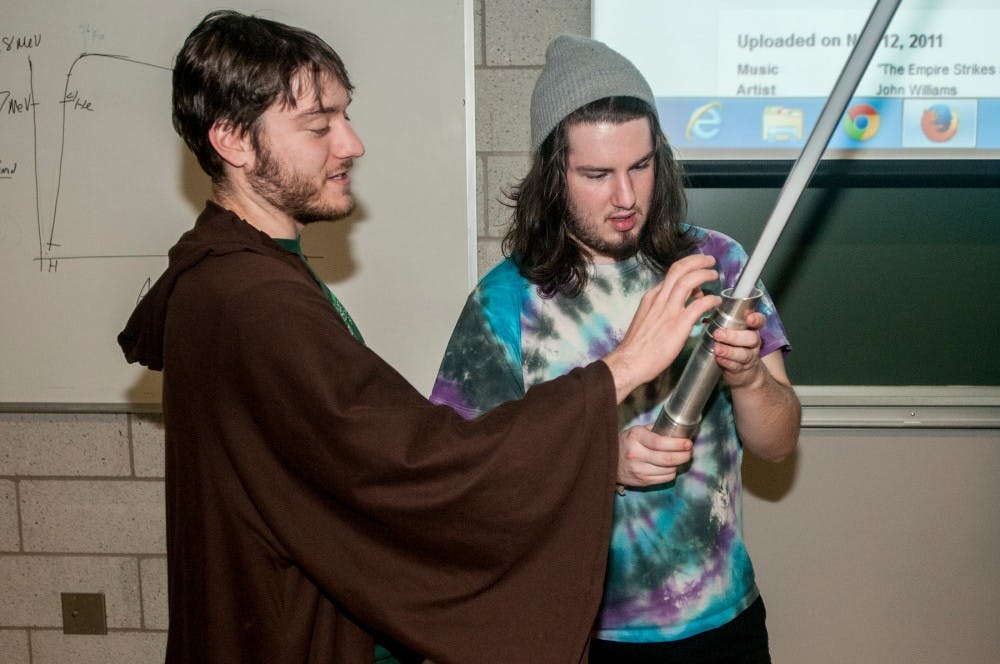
(681, 413)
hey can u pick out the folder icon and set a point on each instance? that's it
(781, 124)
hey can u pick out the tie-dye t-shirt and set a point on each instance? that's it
(677, 564)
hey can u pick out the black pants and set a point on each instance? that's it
(743, 640)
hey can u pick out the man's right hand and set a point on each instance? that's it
(662, 323)
(646, 458)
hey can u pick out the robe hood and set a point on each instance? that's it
(142, 339)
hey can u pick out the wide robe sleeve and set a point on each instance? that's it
(468, 541)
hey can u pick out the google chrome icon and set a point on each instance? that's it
(861, 122)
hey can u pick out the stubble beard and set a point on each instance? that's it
(294, 194)
(624, 246)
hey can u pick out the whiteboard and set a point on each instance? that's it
(95, 187)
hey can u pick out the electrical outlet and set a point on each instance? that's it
(84, 613)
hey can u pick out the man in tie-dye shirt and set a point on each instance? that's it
(596, 222)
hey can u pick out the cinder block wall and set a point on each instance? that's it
(81, 511)
(511, 36)
(81, 495)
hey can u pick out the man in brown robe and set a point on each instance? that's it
(316, 502)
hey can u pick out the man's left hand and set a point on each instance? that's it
(737, 352)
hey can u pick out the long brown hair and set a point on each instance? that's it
(537, 239)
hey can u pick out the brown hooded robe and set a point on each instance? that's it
(315, 498)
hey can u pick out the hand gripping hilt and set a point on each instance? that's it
(681, 412)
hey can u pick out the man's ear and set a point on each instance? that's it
(234, 146)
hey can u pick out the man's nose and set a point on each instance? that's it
(623, 195)
(347, 144)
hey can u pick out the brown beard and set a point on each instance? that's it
(626, 247)
(289, 193)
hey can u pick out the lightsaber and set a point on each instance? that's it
(681, 412)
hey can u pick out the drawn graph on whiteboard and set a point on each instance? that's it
(106, 172)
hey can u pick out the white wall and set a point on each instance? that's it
(879, 546)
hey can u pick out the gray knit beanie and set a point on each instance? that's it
(578, 71)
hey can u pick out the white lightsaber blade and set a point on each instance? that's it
(804, 167)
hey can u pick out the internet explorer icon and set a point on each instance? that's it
(705, 122)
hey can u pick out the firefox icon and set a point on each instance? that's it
(939, 123)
